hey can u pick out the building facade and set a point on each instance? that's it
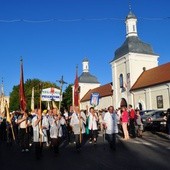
(130, 61)
(86, 81)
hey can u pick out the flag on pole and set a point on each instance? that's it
(22, 99)
(32, 100)
(48, 105)
(76, 89)
(2, 100)
(8, 118)
(54, 106)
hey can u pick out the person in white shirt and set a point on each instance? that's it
(93, 118)
(39, 124)
(55, 130)
(23, 122)
(77, 122)
(111, 127)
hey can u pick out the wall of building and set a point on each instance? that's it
(131, 66)
(104, 102)
(156, 97)
(84, 88)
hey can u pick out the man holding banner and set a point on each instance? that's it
(39, 131)
(77, 122)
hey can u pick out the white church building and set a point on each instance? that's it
(136, 77)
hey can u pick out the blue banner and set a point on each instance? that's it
(94, 99)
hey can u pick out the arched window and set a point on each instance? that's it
(127, 29)
(123, 103)
(121, 80)
(140, 106)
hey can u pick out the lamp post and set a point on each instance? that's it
(62, 82)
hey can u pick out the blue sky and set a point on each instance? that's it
(77, 29)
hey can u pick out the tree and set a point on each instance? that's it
(28, 85)
(67, 97)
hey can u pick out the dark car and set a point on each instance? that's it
(144, 112)
(154, 120)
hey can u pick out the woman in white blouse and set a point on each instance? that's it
(93, 118)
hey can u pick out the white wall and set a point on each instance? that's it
(130, 64)
(148, 96)
(84, 88)
(104, 102)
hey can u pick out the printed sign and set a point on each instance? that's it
(50, 94)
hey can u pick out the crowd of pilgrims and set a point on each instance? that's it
(51, 128)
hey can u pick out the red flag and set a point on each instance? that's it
(22, 99)
(76, 90)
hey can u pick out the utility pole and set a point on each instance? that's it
(62, 82)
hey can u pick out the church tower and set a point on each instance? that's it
(128, 63)
(86, 80)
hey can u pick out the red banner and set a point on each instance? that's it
(22, 99)
(76, 90)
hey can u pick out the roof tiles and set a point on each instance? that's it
(105, 90)
(154, 76)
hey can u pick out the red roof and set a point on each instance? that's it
(105, 90)
(152, 77)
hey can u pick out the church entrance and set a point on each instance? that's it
(140, 106)
(123, 103)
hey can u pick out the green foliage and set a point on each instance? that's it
(14, 99)
(67, 97)
(28, 85)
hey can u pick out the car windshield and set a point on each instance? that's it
(149, 113)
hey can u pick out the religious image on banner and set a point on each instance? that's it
(94, 99)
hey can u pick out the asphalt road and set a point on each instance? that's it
(150, 152)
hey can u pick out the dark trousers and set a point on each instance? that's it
(111, 138)
(78, 142)
(55, 144)
(3, 134)
(132, 128)
(48, 136)
(38, 149)
(93, 134)
(23, 138)
(9, 135)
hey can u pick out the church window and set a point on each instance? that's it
(127, 29)
(134, 28)
(121, 80)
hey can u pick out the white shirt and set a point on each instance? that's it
(78, 124)
(118, 116)
(110, 119)
(37, 131)
(92, 122)
(66, 115)
(55, 128)
(23, 124)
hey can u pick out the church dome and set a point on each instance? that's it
(132, 43)
(135, 45)
(131, 15)
(86, 77)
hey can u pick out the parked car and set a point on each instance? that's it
(143, 112)
(154, 120)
